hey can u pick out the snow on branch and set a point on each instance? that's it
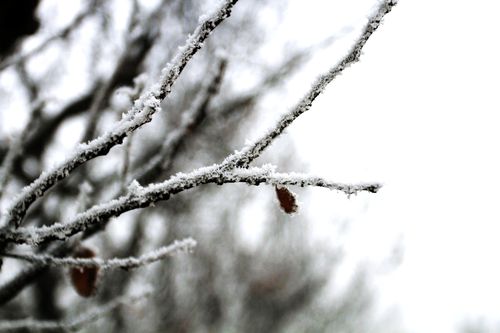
(141, 113)
(140, 197)
(266, 175)
(194, 43)
(185, 245)
(75, 324)
(251, 152)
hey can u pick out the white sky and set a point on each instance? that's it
(420, 113)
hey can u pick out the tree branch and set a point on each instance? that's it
(141, 197)
(69, 325)
(185, 245)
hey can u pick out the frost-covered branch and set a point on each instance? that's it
(267, 175)
(185, 245)
(141, 113)
(190, 119)
(140, 197)
(251, 152)
(75, 324)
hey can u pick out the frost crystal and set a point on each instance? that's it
(134, 187)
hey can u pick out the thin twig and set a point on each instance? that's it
(185, 245)
(73, 324)
(125, 171)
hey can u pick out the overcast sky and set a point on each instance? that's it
(420, 113)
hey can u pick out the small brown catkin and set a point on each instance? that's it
(84, 279)
(287, 199)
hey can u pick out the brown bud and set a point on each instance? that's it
(287, 199)
(84, 279)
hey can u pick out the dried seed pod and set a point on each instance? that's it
(84, 279)
(287, 199)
